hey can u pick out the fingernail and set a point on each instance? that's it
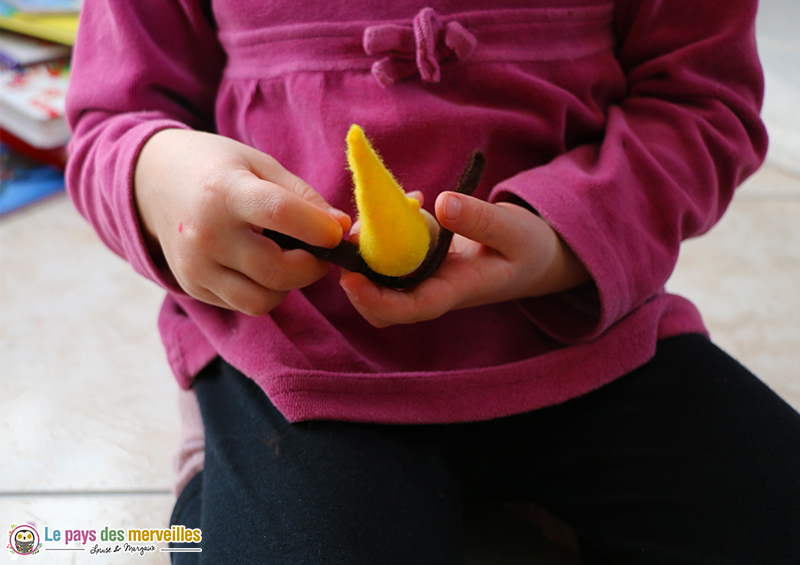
(452, 207)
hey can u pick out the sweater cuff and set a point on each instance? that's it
(585, 312)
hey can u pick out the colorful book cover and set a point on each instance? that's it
(18, 50)
(56, 156)
(61, 28)
(24, 181)
(32, 101)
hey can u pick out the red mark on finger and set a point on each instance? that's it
(180, 227)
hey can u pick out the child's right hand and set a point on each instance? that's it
(203, 201)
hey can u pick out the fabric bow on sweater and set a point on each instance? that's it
(421, 47)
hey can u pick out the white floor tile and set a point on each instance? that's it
(770, 183)
(87, 401)
(744, 276)
(779, 49)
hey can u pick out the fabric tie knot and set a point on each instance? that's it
(421, 47)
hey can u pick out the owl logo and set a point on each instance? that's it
(23, 540)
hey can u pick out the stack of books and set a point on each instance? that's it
(36, 38)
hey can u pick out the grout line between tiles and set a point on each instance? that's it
(776, 198)
(8, 494)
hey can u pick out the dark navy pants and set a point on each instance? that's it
(688, 460)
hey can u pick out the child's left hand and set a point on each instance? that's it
(499, 252)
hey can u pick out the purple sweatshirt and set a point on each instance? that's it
(626, 125)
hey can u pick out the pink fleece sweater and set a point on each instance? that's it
(626, 125)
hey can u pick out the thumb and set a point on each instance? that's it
(494, 225)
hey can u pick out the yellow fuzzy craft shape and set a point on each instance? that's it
(394, 237)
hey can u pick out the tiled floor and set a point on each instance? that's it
(87, 404)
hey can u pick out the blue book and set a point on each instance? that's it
(24, 181)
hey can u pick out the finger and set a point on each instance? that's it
(267, 205)
(382, 306)
(224, 288)
(358, 289)
(268, 168)
(238, 292)
(499, 226)
(262, 260)
(355, 231)
(302, 189)
(203, 294)
(417, 195)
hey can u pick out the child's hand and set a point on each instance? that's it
(203, 202)
(500, 252)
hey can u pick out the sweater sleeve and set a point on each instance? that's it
(138, 67)
(675, 147)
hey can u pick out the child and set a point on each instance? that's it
(544, 362)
